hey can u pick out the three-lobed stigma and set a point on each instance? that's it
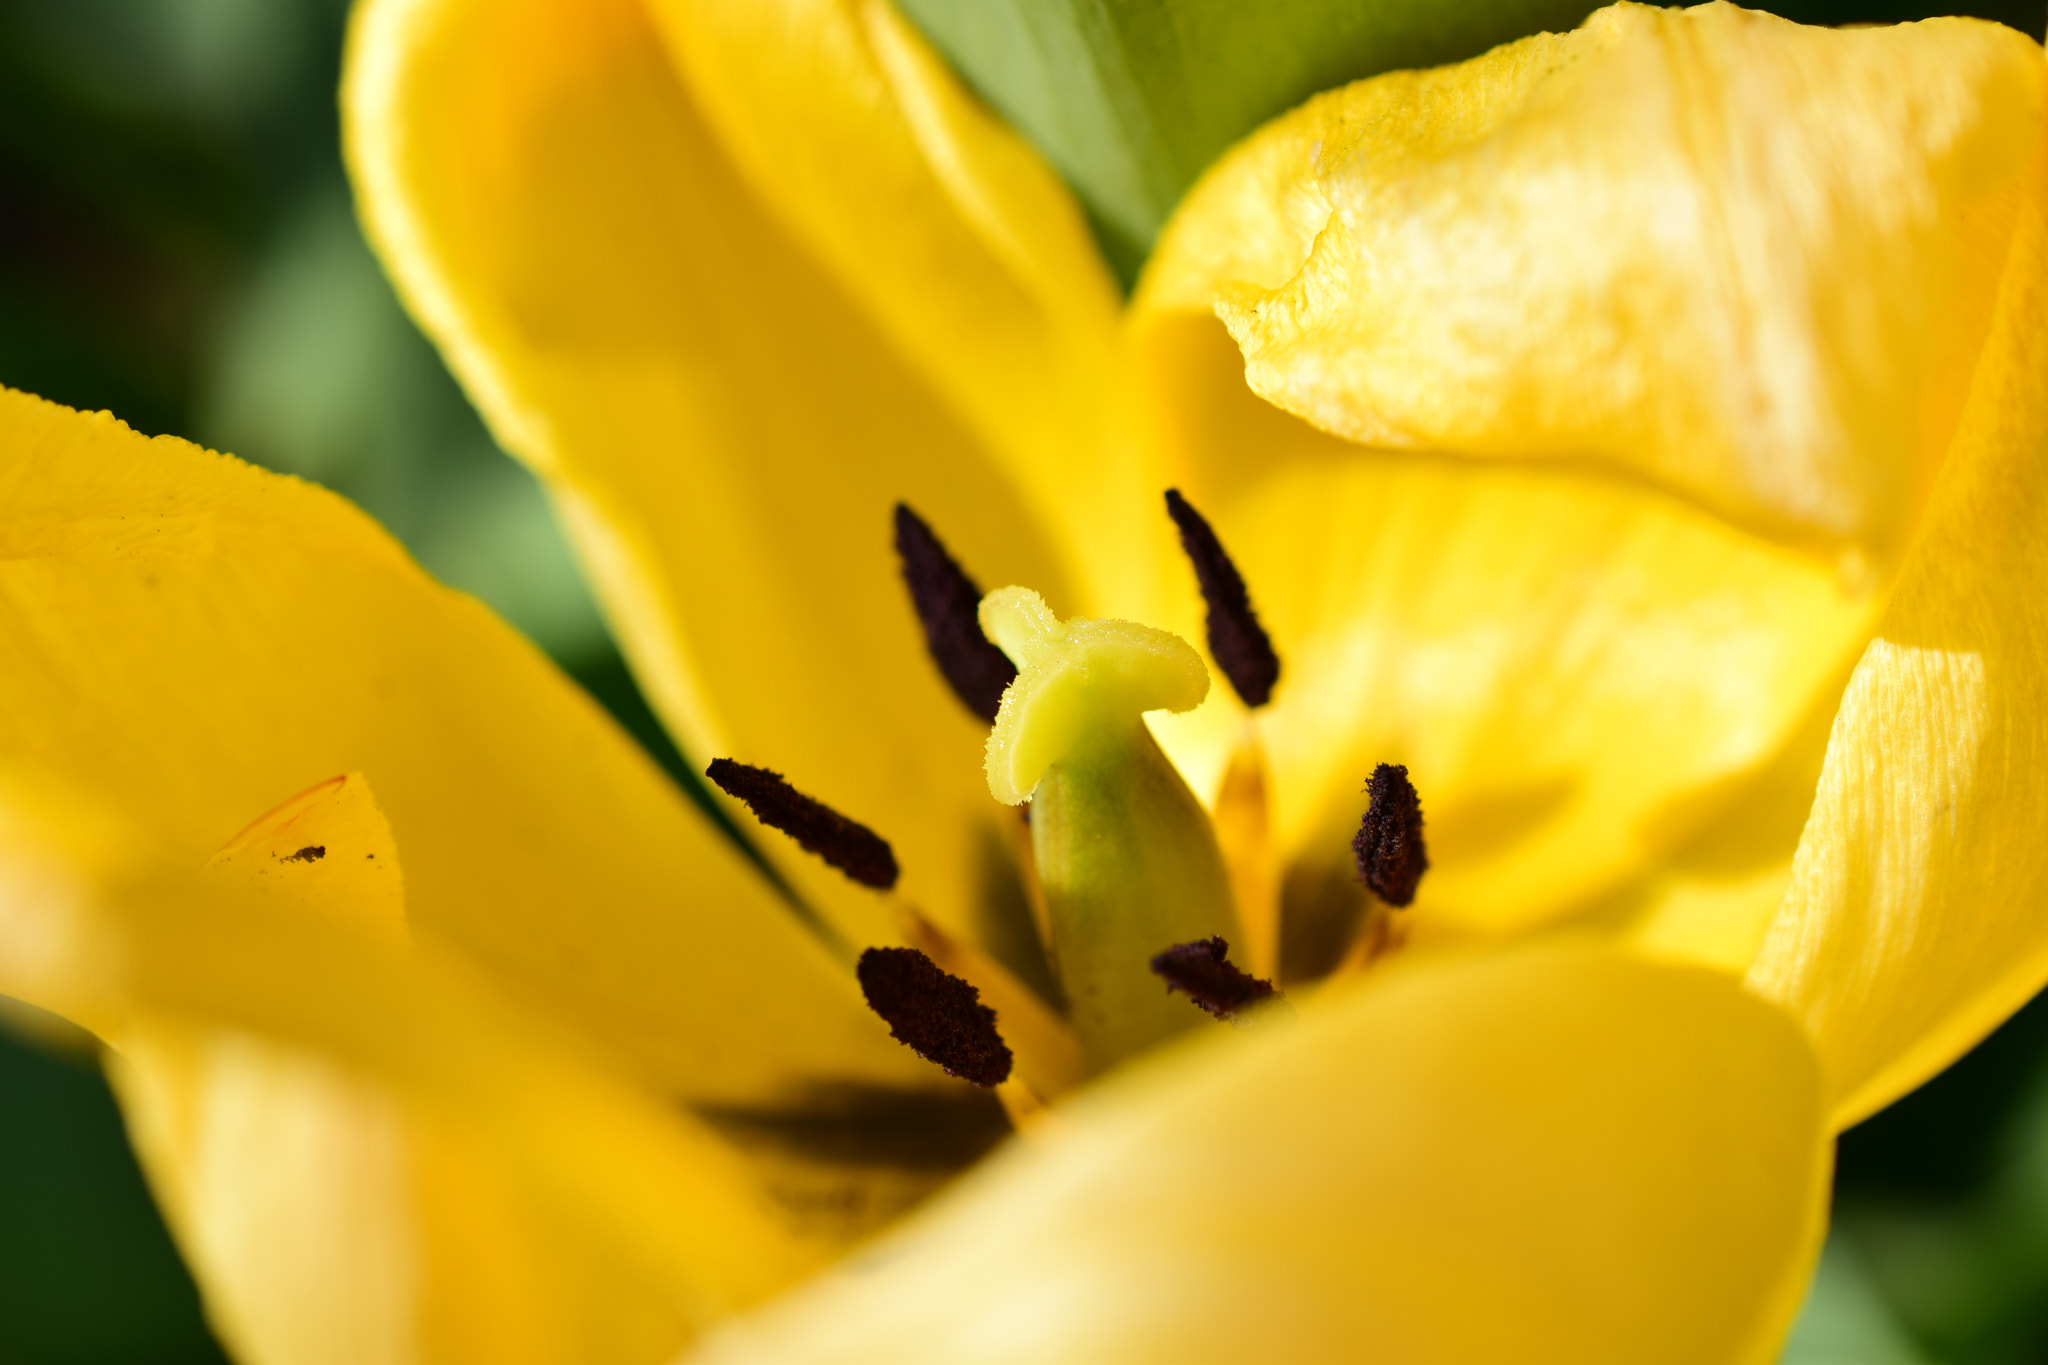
(1078, 680)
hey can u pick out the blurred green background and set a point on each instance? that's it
(176, 245)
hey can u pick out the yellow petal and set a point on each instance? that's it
(732, 315)
(1580, 673)
(1712, 901)
(1748, 260)
(191, 641)
(365, 1154)
(960, 243)
(1914, 921)
(284, 1184)
(328, 850)
(1551, 1156)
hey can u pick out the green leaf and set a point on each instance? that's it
(1132, 99)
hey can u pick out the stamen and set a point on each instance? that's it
(1236, 639)
(947, 601)
(848, 845)
(935, 1014)
(1203, 970)
(1388, 845)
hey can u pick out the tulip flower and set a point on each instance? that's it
(1586, 667)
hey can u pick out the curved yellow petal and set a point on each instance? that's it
(1712, 900)
(1914, 923)
(192, 641)
(365, 1153)
(1557, 1155)
(961, 244)
(735, 287)
(326, 1218)
(1581, 673)
(1748, 260)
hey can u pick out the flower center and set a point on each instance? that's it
(1140, 890)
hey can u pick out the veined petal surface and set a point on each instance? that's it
(1749, 260)
(192, 641)
(734, 283)
(1917, 918)
(1552, 1155)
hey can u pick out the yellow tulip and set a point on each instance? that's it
(1637, 433)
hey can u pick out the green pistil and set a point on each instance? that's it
(1126, 855)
